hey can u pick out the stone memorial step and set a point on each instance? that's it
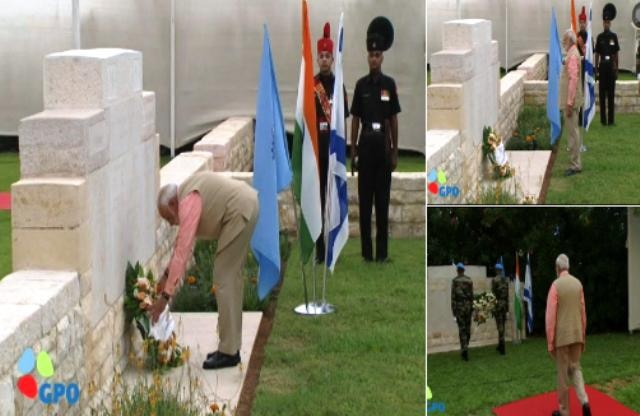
(198, 331)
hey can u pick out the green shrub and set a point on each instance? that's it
(532, 132)
(496, 195)
(157, 397)
(197, 295)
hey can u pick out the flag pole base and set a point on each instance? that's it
(315, 308)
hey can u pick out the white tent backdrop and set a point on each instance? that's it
(522, 26)
(218, 46)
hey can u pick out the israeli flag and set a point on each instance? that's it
(589, 107)
(337, 203)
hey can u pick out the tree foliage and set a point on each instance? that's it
(593, 238)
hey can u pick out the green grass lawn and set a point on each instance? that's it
(410, 162)
(611, 168)
(9, 173)
(9, 170)
(367, 358)
(611, 363)
(627, 76)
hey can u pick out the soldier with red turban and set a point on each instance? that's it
(323, 86)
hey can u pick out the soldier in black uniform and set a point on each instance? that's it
(607, 48)
(375, 106)
(323, 89)
(582, 48)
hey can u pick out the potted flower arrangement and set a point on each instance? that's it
(141, 293)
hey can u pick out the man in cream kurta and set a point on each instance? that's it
(571, 100)
(566, 325)
(209, 206)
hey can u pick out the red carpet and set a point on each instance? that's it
(544, 404)
(5, 201)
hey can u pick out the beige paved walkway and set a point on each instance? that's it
(198, 331)
(530, 169)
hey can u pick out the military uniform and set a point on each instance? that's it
(607, 48)
(500, 289)
(462, 309)
(375, 102)
(323, 91)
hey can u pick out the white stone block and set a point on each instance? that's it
(49, 203)
(7, 396)
(452, 66)
(63, 143)
(181, 168)
(55, 249)
(124, 123)
(494, 52)
(54, 292)
(101, 225)
(439, 145)
(206, 156)
(217, 142)
(145, 201)
(149, 119)
(466, 33)
(22, 326)
(408, 181)
(91, 78)
(413, 213)
(444, 96)
(126, 184)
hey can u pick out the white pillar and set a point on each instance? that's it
(633, 248)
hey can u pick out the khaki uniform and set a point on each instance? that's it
(229, 215)
(571, 123)
(569, 340)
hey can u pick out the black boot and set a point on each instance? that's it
(586, 410)
(220, 360)
(501, 348)
(465, 355)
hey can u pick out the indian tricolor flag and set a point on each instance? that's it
(306, 177)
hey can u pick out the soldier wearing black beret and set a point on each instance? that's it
(374, 139)
(607, 48)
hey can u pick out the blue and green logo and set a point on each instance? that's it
(48, 393)
(437, 184)
(434, 407)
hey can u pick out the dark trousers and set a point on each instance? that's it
(607, 92)
(464, 330)
(374, 186)
(323, 147)
(501, 318)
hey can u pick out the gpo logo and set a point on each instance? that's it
(437, 185)
(48, 393)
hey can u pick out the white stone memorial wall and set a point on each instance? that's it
(464, 96)
(442, 330)
(84, 207)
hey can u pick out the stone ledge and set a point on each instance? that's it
(535, 66)
(63, 143)
(91, 78)
(181, 168)
(49, 203)
(32, 302)
(439, 145)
